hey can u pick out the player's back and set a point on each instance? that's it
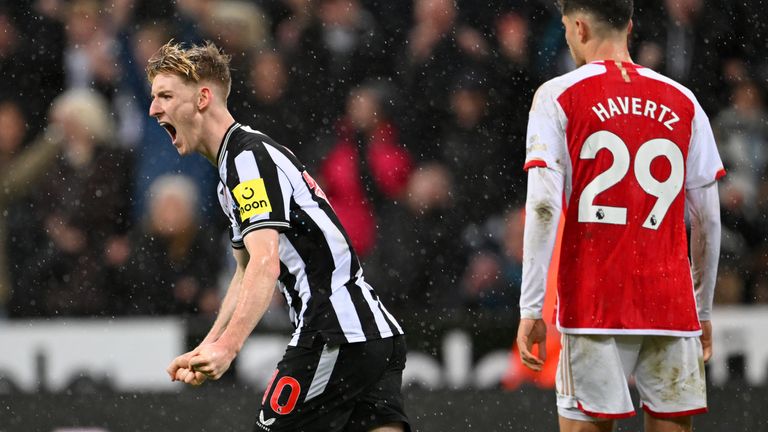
(627, 158)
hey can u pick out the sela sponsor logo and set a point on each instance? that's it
(264, 423)
(252, 199)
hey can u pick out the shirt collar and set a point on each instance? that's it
(224, 141)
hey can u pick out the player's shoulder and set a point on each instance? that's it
(563, 82)
(555, 87)
(656, 76)
(243, 138)
(265, 149)
(246, 138)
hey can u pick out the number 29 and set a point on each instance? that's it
(665, 191)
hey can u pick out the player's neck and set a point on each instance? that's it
(607, 49)
(214, 129)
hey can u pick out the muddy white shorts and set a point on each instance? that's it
(594, 373)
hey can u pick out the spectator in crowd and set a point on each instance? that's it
(126, 13)
(338, 50)
(89, 60)
(419, 248)
(135, 43)
(366, 166)
(192, 16)
(513, 78)
(437, 47)
(394, 18)
(755, 51)
(512, 248)
(690, 46)
(82, 207)
(477, 155)
(269, 104)
(482, 284)
(289, 20)
(496, 266)
(749, 35)
(742, 135)
(731, 284)
(741, 130)
(173, 260)
(20, 169)
(239, 28)
(758, 291)
(30, 61)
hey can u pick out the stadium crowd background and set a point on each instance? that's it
(410, 113)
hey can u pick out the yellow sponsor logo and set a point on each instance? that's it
(252, 198)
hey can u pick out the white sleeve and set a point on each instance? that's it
(542, 216)
(545, 138)
(704, 208)
(703, 164)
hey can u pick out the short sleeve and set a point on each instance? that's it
(261, 191)
(703, 165)
(227, 206)
(545, 139)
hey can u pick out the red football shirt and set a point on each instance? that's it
(628, 142)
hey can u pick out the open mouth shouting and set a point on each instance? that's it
(170, 129)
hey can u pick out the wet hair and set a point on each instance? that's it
(194, 64)
(616, 14)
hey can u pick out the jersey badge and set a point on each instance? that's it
(534, 144)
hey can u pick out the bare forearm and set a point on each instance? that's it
(258, 268)
(254, 297)
(226, 309)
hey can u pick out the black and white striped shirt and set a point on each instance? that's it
(263, 185)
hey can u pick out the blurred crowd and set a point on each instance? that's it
(411, 113)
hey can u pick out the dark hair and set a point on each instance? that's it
(615, 13)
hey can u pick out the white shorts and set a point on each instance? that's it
(594, 373)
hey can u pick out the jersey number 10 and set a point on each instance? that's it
(665, 191)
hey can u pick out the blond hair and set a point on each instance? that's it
(194, 64)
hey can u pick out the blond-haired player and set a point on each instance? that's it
(342, 369)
